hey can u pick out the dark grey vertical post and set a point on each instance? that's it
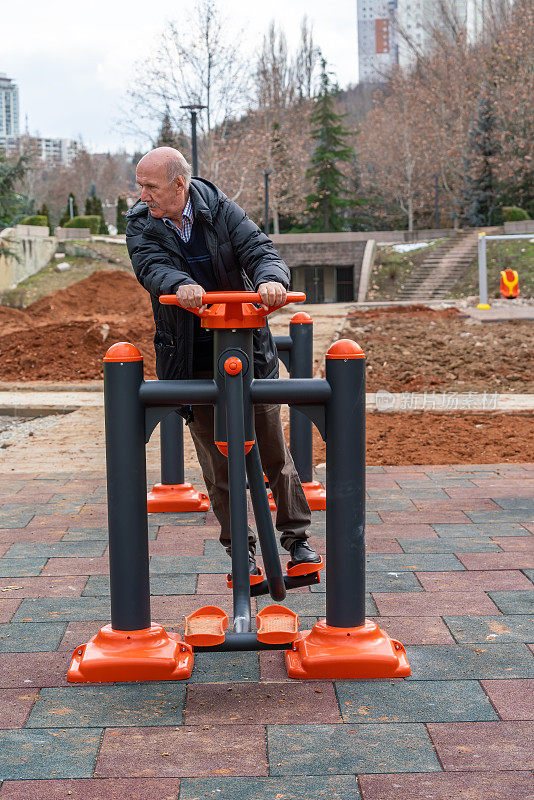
(266, 174)
(194, 142)
(235, 431)
(345, 484)
(436, 200)
(264, 525)
(482, 271)
(300, 427)
(126, 480)
(172, 449)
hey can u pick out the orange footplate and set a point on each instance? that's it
(254, 579)
(277, 624)
(304, 569)
(205, 627)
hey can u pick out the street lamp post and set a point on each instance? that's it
(193, 110)
(436, 200)
(266, 174)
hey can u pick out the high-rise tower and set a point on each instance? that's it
(9, 107)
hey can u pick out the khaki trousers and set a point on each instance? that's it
(293, 516)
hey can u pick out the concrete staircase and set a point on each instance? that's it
(445, 264)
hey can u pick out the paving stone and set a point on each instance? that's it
(448, 786)
(11, 535)
(381, 544)
(172, 545)
(42, 587)
(93, 789)
(315, 787)
(98, 585)
(489, 745)
(7, 609)
(350, 748)
(521, 602)
(25, 637)
(77, 566)
(389, 504)
(497, 560)
(470, 579)
(518, 544)
(40, 669)
(440, 545)
(480, 529)
(49, 609)
(15, 705)
(57, 550)
(225, 668)
(383, 582)
(504, 628)
(187, 751)
(429, 516)
(416, 630)
(148, 704)
(273, 703)
(15, 518)
(511, 699)
(486, 515)
(413, 701)
(182, 518)
(433, 604)
(311, 604)
(516, 503)
(465, 661)
(192, 564)
(427, 562)
(42, 754)
(19, 567)
(177, 607)
(423, 531)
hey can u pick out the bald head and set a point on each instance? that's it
(170, 160)
(163, 175)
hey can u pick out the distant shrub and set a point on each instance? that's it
(91, 221)
(36, 219)
(514, 214)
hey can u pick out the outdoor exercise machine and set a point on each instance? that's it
(483, 267)
(345, 645)
(174, 495)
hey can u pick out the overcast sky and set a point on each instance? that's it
(72, 61)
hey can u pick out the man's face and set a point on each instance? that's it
(163, 199)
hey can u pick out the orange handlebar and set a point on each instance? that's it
(231, 297)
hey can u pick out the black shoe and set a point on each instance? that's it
(302, 553)
(253, 568)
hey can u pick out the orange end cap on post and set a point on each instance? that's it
(233, 365)
(301, 316)
(223, 447)
(123, 351)
(345, 348)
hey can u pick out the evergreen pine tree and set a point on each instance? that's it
(122, 208)
(480, 185)
(330, 196)
(167, 137)
(66, 213)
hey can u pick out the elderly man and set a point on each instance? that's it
(185, 236)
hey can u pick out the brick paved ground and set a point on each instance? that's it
(450, 574)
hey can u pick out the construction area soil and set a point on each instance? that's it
(63, 337)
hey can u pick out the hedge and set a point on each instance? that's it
(36, 219)
(92, 222)
(514, 214)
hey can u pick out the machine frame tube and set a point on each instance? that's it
(300, 427)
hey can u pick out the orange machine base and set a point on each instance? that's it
(361, 653)
(315, 495)
(151, 654)
(177, 497)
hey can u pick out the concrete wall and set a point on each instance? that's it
(28, 254)
(71, 233)
(524, 226)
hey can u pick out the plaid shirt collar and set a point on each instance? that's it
(188, 217)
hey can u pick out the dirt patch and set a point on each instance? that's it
(64, 336)
(414, 348)
(444, 439)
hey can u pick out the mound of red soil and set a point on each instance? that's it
(64, 336)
